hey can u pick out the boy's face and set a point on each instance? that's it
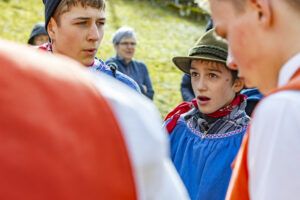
(79, 33)
(212, 85)
(40, 39)
(250, 47)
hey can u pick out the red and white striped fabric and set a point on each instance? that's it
(66, 134)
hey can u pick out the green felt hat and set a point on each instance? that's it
(209, 47)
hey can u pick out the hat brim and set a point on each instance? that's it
(184, 63)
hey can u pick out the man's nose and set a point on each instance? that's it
(93, 33)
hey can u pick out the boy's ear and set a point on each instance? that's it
(263, 9)
(238, 85)
(52, 28)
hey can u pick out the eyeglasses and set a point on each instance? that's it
(127, 43)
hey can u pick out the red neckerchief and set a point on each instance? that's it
(227, 109)
(46, 47)
(186, 106)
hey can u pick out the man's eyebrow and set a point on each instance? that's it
(82, 18)
(87, 18)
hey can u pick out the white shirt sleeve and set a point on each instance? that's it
(155, 175)
(274, 148)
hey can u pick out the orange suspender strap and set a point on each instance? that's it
(59, 138)
(239, 186)
(293, 84)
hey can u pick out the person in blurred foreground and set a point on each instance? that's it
(76, 29)
(67, 133)
(264, 42)
(206, 133)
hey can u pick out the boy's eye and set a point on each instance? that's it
(100, 23)
(194, 74)
(211, 75)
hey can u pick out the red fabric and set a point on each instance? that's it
(59, 138)
(227, 109)
(46, 47)
(175, 114)
(239, 185)
(186, 106)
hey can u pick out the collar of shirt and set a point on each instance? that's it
(98, 64)
(121, 60)
(288, 69)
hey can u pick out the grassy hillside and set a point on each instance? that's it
(161, 35)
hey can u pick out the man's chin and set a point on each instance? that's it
(248, 84)
(87, 62)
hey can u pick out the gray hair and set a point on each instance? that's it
(123, 32)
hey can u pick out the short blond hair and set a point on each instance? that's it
(65, 6)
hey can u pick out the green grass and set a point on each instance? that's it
(161, 35)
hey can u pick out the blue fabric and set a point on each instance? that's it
(253, 97)
(252, 94)
(100, 66)
(137, 71)
(186, 89)
(204, 164)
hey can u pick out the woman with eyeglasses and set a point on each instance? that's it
(124, 41)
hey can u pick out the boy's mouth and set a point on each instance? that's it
(91, 51)
(203, 100)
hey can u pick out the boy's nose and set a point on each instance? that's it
(231, 62)
(93, 33)
(201, 84)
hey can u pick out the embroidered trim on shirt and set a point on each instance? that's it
(218, 135)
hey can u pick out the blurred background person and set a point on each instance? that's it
(186, 89)
(38, 35)
(124, 41)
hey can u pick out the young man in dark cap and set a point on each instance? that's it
(76, 29)
(264, 40)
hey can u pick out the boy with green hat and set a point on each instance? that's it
(76, 29)
(206, 133)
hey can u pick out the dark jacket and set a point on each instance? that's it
(137, 71)
(253, 97)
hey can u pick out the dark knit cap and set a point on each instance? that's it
(38, 29)
(50, 7)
